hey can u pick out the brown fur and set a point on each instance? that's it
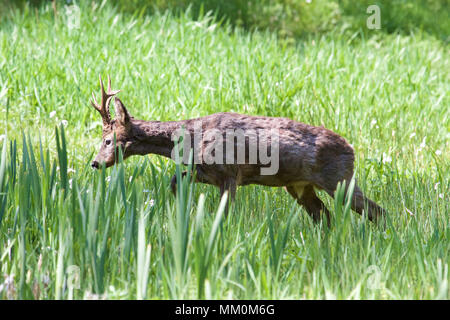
(309, 157)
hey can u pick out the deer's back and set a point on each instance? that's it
(305, 152)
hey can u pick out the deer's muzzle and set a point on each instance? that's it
(95, 164)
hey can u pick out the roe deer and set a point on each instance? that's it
(309, 157)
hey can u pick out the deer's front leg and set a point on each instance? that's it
(199, 177)
(173, 182)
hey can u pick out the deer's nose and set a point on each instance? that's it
(94, 164)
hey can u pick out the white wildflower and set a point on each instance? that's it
(64, 122)
(116, 294)
(436, 185)
(386, 158)
(374, 121)
(423, 144)
(207, 87)
(328, 294)
(412, 135)
(441, 195)
(438, 152)
(71, 170)
(52, 114)
(108, 178)
(150, 203)
(93, 296)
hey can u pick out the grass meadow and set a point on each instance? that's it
(68, 232)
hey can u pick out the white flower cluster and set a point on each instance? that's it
(63, 121)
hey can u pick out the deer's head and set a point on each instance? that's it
(117, 133)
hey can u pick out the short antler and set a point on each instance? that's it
(103, 108)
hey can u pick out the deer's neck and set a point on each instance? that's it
(155, 136)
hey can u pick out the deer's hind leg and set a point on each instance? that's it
(359, 202)
(306, 196)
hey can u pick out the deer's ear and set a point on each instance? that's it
(122, 115)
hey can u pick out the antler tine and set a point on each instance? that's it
(108, 100)
(109, 94)
(94, 102)
(103, 108)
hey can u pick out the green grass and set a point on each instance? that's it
(123, 232)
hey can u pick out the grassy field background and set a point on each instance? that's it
(67, 232)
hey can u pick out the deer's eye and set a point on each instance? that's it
(108, 142)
